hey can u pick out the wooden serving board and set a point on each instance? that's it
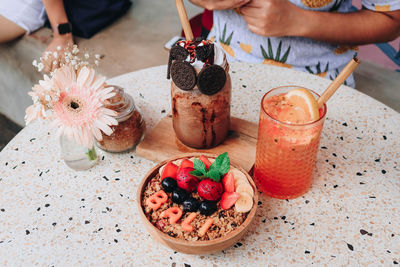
(161, 143)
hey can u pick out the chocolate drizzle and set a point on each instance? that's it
(214, 137)
(204, 112)
(174, 111)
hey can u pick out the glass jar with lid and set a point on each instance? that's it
(131, 126)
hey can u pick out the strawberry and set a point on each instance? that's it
(206, 161)
(187, 181)
(210, 189)
(228, 199)
(170, 170)
(186, 164)
(229, 182)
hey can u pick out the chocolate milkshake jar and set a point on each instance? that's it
(200, 93)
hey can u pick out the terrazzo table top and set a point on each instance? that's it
(53, 216)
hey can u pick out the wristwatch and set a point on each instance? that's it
(63, 28)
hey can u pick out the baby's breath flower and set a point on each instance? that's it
(40, 66)
(58, 48)
(87, 55)
(48, 113)
(96, 62)
(97, 56)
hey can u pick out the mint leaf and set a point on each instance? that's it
(214, 174)
(214, 166)
(223, 163)
(197, 173)
(198, 165)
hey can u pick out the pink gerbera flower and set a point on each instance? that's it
(79, 112)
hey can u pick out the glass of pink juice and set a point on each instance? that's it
(286, 147)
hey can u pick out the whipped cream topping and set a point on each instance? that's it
(219, 57)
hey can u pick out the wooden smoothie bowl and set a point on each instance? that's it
(195, 247)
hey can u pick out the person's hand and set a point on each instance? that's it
(272, 17)
(55, 50)
(219, 4)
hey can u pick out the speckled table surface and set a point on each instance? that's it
(51, 215)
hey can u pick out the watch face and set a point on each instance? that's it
(64, 28)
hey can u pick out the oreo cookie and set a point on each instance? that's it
(205, 52)
(177, 53)
(211, 79)
(183, 74)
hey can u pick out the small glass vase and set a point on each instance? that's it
(77, 157)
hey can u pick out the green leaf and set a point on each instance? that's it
(213, 166)
(309, 69)
(327, 67)
(223, 163)
(278, 52)
(198, 165)
(263, 52)
(214, 174)
(285, 56)
(319, 67)
(223, 34)
(271, 54)
(228, 41)
(197, 173)
(91, 154)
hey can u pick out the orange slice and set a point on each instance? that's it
(301, 107)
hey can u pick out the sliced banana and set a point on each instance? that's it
(239, 177)
(161, 169)
(245, 188)
(244, 203)
(178, 162)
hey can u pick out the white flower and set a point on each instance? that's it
(97, 56)
(58, 48)
(40, 66)
(87, 55)
(48, 113)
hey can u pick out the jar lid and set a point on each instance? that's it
(122, 103)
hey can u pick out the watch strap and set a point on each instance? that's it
(63, 28)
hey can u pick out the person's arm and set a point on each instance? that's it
(57, 15)
(219, 4)
(282, 18)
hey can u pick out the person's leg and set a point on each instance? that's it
(12, 31)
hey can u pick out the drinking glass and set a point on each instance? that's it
(286, 153)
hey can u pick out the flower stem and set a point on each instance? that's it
(91, 154)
